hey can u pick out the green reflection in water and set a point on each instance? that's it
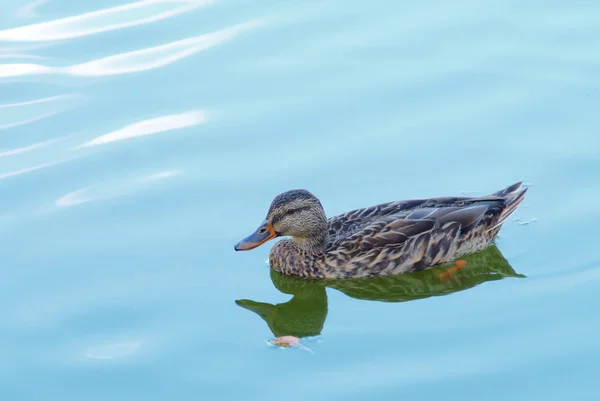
(304, 315)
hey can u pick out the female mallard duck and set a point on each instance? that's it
(390, 238)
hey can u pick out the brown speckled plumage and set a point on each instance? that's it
(387, 239)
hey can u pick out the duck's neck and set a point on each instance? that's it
(303, 253)
(315, 244)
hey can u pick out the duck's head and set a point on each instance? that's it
(296, 213)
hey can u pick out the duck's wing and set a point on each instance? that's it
(395, 229)
(399, 244)
(416, 234)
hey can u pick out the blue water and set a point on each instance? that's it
(140, 141)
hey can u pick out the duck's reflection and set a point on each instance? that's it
(304, 315)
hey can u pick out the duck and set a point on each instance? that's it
(397, 237)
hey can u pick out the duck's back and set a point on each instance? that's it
(347, 224)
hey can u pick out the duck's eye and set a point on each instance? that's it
(291, 211)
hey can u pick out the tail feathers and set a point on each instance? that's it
(514, 196)
(510, 190)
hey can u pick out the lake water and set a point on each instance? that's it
(140, 141)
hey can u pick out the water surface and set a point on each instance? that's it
(140, 141)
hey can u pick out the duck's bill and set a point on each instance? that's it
(262, 234)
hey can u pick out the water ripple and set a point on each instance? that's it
(152, 126)
(139, 60)
(34, 110)
(33, 168)
(38, 145)
(111, 351)
(29, 10)
(115, 189)
(20, 55)
(124, 16)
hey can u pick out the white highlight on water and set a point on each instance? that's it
(113, 189)
(135, 61)
(152, 126)
(108, 19)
